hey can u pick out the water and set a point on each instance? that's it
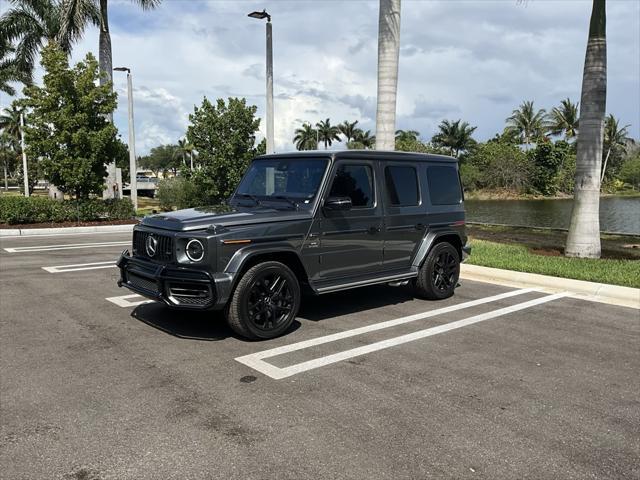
(617, 214)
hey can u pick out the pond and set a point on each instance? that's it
(617, 214)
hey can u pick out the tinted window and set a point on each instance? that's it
(402, 185)
(355, 182)
(444, 185)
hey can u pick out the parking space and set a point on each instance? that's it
(493, 383)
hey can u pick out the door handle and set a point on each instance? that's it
(375, 229)
(420, 226)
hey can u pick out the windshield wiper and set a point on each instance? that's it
(249, 196)
(282, 197)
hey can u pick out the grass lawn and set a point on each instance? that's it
(521, 259)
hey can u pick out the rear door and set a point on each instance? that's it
(405, 213)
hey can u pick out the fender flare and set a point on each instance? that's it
(428, 241)
(243, 255)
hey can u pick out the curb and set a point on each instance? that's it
(28, 232)
(598, 292)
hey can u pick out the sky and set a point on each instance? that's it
(475, 60)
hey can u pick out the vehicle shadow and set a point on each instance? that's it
(358, 300)
(205, 326)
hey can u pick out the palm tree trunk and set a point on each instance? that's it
(6, 183)
(584, 231)
(604, 167)
(388, 54)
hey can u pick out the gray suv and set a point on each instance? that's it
(305, 221)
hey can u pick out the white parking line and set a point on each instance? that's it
(124, 300)
(64, 246)
(80, 266)
(256, 360)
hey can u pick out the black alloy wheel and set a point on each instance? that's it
(438, 276)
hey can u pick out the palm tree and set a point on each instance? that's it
(10, 121)
(406, 135)
(362, 140)
(456, 136)
(348, 129)
(9, 69)
(388, 55)
(30, 25)
(184, 149)
(306, 138)
(564, 120)
(615, 137)
(583, 239)
(327, 133)
(76, 14)
(527, 123)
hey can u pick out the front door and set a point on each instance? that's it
(351, 241)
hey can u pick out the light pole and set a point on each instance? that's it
(24, 157)
(133, 182)
(270, 141)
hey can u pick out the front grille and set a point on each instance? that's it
(142, 282)
(164, 249)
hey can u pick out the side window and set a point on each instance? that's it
(355, 182)
(402, 185)
(444, 185)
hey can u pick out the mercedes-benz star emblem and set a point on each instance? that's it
(151, 245)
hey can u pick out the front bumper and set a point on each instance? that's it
(179, 287)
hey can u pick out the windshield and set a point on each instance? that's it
(277, 179)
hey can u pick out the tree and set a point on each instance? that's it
(184, 149)
(388, 59)
(348, 129)
(162, 159)
(68, 128)
(563, 120)
(306, 138)
(406, 135)
(583, 239)
(30, 25)
(547, 161)
(615, 141)
(224, 135)
(527, 123)
(630, 172)
(497, 165)
(362, 140)
(456, 136)
(8, 156)
(10, 69)
(10, 120)
(327, 133)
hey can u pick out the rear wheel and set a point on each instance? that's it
(439, 274)
(265, 301)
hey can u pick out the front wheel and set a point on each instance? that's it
(265, 301)
(439, 274)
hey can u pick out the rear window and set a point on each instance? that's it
(444, 185)
(402, 185)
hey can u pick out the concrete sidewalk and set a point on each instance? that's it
(24, 232)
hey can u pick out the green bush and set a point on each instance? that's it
(179, 192)
(630, 172)
(17, 210)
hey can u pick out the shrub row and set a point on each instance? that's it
(17, 210)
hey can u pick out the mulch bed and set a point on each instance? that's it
(68, 224)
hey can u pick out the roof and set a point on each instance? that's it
(368, 154)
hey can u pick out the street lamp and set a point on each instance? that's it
(261, 16)
(133, 183)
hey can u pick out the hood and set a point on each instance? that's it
(221, 216)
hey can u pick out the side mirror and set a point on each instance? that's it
(338, 203)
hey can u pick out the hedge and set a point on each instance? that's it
(17, 210)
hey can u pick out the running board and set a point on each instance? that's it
(369, 281)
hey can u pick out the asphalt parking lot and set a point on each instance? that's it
(494, 383)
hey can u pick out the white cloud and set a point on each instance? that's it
(469, 59)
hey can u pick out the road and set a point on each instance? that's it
(494, 383)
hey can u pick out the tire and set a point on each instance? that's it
(265, 302)
(439, 274)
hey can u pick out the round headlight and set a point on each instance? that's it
(195, 250)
